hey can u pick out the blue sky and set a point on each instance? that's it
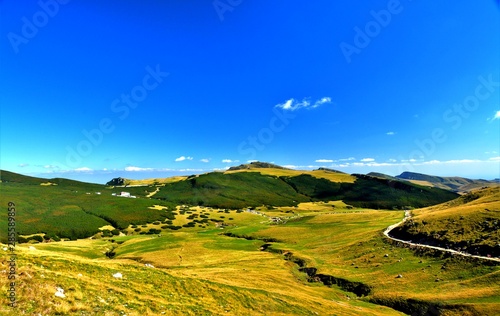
(93, 89)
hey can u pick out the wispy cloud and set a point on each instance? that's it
(495, 158)
(135, 169)
(324, 160)
(182, 158)
(367, 160)
(205, 160)
(229, 161)
(293, 104)
(347, 159)
(322, 101)
(22, 165)
(390, 133)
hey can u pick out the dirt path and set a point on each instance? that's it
(153, 193)
(407, 217)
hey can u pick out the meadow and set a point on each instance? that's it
(258, 241)
(242, 263)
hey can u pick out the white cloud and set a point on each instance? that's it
(250, 161)
(390, 133)
(393, 160)
(22, 165)
(132, 168)
(324, 160)
(367, 160)
(83, 169)
(229, 161)
(495, 158)
(205, 160)
(292, 104)
(347, 159)
(497, 115)
(182, 158)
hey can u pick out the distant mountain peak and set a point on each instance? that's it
(117, 181)
(256, 164)
(455, 184)
(330, 170)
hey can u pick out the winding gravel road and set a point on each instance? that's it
(407, 217)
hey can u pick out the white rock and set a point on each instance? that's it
(118, 275)
(149, 265)
(59, 293)
(80, 275)
(31, 248)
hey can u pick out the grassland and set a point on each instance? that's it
(295, 244)
(470, 223)
(198, 270)
(73, 212)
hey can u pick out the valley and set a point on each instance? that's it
(303, 244)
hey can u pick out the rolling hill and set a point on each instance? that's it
(256, 186)
(58, 207)
(455, 184)
(470, 223)
(295, 243)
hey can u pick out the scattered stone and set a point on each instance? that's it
(31, 248)
(149, 265)
(80, 275)
(60, 293)
(437, 280)
(386, 255)
(118, 275)
(399, 276)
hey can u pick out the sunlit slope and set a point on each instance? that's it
(225, 278)
(255, 272)
(273, 170)
(470, 222)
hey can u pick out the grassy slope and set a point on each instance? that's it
(471, 221)
(70, 213)
(198, 271)
(233, 190)
(279, 187)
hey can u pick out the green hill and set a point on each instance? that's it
(470, 222)
(72, 209)
(243, 189)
